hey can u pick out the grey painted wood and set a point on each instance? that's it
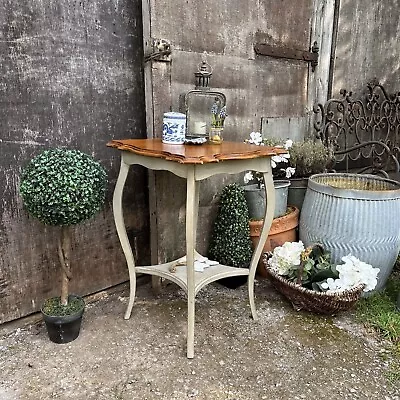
(322, 33)
(284, 127)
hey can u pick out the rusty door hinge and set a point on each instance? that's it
(264, 49)
(160, 51)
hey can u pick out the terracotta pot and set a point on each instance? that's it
(283, 229)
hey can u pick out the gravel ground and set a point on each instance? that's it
(284, 355)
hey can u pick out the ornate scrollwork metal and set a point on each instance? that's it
(364, 133)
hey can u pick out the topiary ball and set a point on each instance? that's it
(63, 187)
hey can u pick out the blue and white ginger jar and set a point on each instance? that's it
(174, 126)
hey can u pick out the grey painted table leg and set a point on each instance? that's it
(122, 234)
(191, 218)
(268, 217)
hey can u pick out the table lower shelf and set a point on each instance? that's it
(201, 279)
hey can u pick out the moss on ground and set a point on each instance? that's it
(380, 312)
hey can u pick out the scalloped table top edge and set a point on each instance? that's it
(195, 154)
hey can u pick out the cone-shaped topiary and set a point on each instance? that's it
(230, 241)
(63, 187)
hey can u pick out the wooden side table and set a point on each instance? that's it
(193, 163)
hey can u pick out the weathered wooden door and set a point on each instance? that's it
(70, 76)
(256, 50)
(366, 46)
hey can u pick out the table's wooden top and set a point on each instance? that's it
(195, 154)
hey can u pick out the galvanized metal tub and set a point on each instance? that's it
(354, 214)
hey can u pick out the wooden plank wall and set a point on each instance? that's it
(70, 75)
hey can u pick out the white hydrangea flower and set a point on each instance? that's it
(288, 144)
(366, 273)
(255, 138)
(351, 274)
(248, 176)
(286, 256)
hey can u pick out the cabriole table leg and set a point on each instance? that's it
(122, 234)
(268, 217)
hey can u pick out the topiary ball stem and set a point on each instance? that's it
(64, 251)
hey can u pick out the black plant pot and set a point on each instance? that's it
(66, 328)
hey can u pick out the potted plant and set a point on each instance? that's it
(218, 115)
(254, 182)
(307, 158)
(62, 187)
(230, 242)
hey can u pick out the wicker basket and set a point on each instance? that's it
(310, 300)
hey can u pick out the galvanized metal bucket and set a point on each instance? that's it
(297, 192)
(255, 198)
(354, 214)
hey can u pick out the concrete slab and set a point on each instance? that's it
(284, 355)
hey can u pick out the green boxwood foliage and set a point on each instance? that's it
(53, 306)
(63, 187)
(230, 242)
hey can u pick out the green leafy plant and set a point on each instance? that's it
(63, 187)
(310, 157)
(281, 168)
(316, 267)
(380, 312)
(230, 242)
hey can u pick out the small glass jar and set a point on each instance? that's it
(215, 135)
